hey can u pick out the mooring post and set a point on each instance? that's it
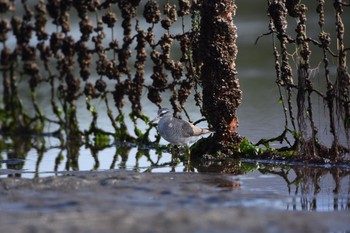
(221, 90)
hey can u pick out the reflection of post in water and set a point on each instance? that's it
(123, 152)
(17, 150)
(41, 148)
(308, 180)
(72, 147)
(94, 154)
(58, 160)
(338, 175)
(308, 184)
(139, 154)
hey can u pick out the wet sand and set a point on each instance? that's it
(125, 201)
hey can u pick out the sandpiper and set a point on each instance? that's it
(177, 131)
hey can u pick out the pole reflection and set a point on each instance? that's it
(314, 188)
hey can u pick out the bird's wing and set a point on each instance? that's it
(187, 129)
(199, 131)
(190, 130)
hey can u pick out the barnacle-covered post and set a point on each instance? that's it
(221, 90)
(342, 79)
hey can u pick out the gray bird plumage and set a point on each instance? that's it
(177, 131)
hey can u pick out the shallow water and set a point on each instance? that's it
(252, 183)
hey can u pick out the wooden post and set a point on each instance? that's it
(221, 90)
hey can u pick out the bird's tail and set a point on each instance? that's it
(206, 131)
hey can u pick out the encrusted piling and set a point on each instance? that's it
(221, 90)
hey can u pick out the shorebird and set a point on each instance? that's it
(176, 131)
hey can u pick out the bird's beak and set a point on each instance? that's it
(155, 119)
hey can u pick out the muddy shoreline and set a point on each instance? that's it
(126, 201)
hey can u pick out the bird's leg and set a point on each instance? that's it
(188, 151)
(173, 162)
(172, 151)
(187, 156)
